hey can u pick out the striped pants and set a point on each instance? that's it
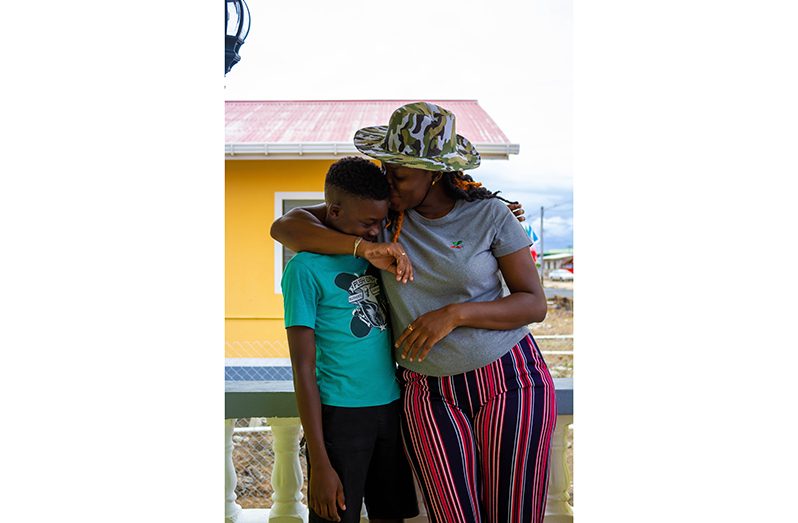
(479, 441)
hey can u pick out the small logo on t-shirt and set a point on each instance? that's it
(364, 294)
(457, 244)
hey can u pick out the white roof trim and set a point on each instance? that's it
(333, 150)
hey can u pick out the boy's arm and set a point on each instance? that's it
(303, 229)
(326, 490)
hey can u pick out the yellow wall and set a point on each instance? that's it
(253, 311)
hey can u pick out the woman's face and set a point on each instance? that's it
(409, 186)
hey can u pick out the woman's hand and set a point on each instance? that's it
(425, 331)
(389, 257)
(326, 492)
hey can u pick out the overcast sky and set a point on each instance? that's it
(517, 64)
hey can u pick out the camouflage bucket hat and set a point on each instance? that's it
(419, 135)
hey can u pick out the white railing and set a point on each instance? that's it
(287, 476)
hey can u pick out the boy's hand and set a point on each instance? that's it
(389, 257)
(518, 210)
(326, 492)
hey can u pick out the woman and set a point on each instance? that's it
(478, 401)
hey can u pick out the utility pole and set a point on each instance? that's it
(542, 263)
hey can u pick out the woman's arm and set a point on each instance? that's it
(303, 229)
(526, 304)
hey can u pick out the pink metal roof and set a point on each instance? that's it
(307, 121)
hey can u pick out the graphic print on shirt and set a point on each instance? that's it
(364, 293)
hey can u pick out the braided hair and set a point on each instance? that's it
(459, 186)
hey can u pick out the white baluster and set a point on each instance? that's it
(557, 508)
(287, 474)
(231, 509)
(422, 510)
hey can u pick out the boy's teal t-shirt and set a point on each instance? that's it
(334, 295)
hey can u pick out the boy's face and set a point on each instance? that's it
(357, 216)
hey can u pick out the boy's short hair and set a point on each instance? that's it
(358, 177)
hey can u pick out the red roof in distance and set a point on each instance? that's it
(308, 121)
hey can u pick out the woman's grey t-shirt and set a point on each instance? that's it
(454, 261)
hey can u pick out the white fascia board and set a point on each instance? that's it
(497, 150)
(283, 151)
(334, 150)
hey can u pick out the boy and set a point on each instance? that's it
(344, 374)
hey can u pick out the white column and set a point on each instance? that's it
(287, 474)
(557, 508)
(422, 509)
(231, 509)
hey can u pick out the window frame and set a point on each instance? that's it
(279, 199)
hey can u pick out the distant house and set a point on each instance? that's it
(276, 156)
(557, 259)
